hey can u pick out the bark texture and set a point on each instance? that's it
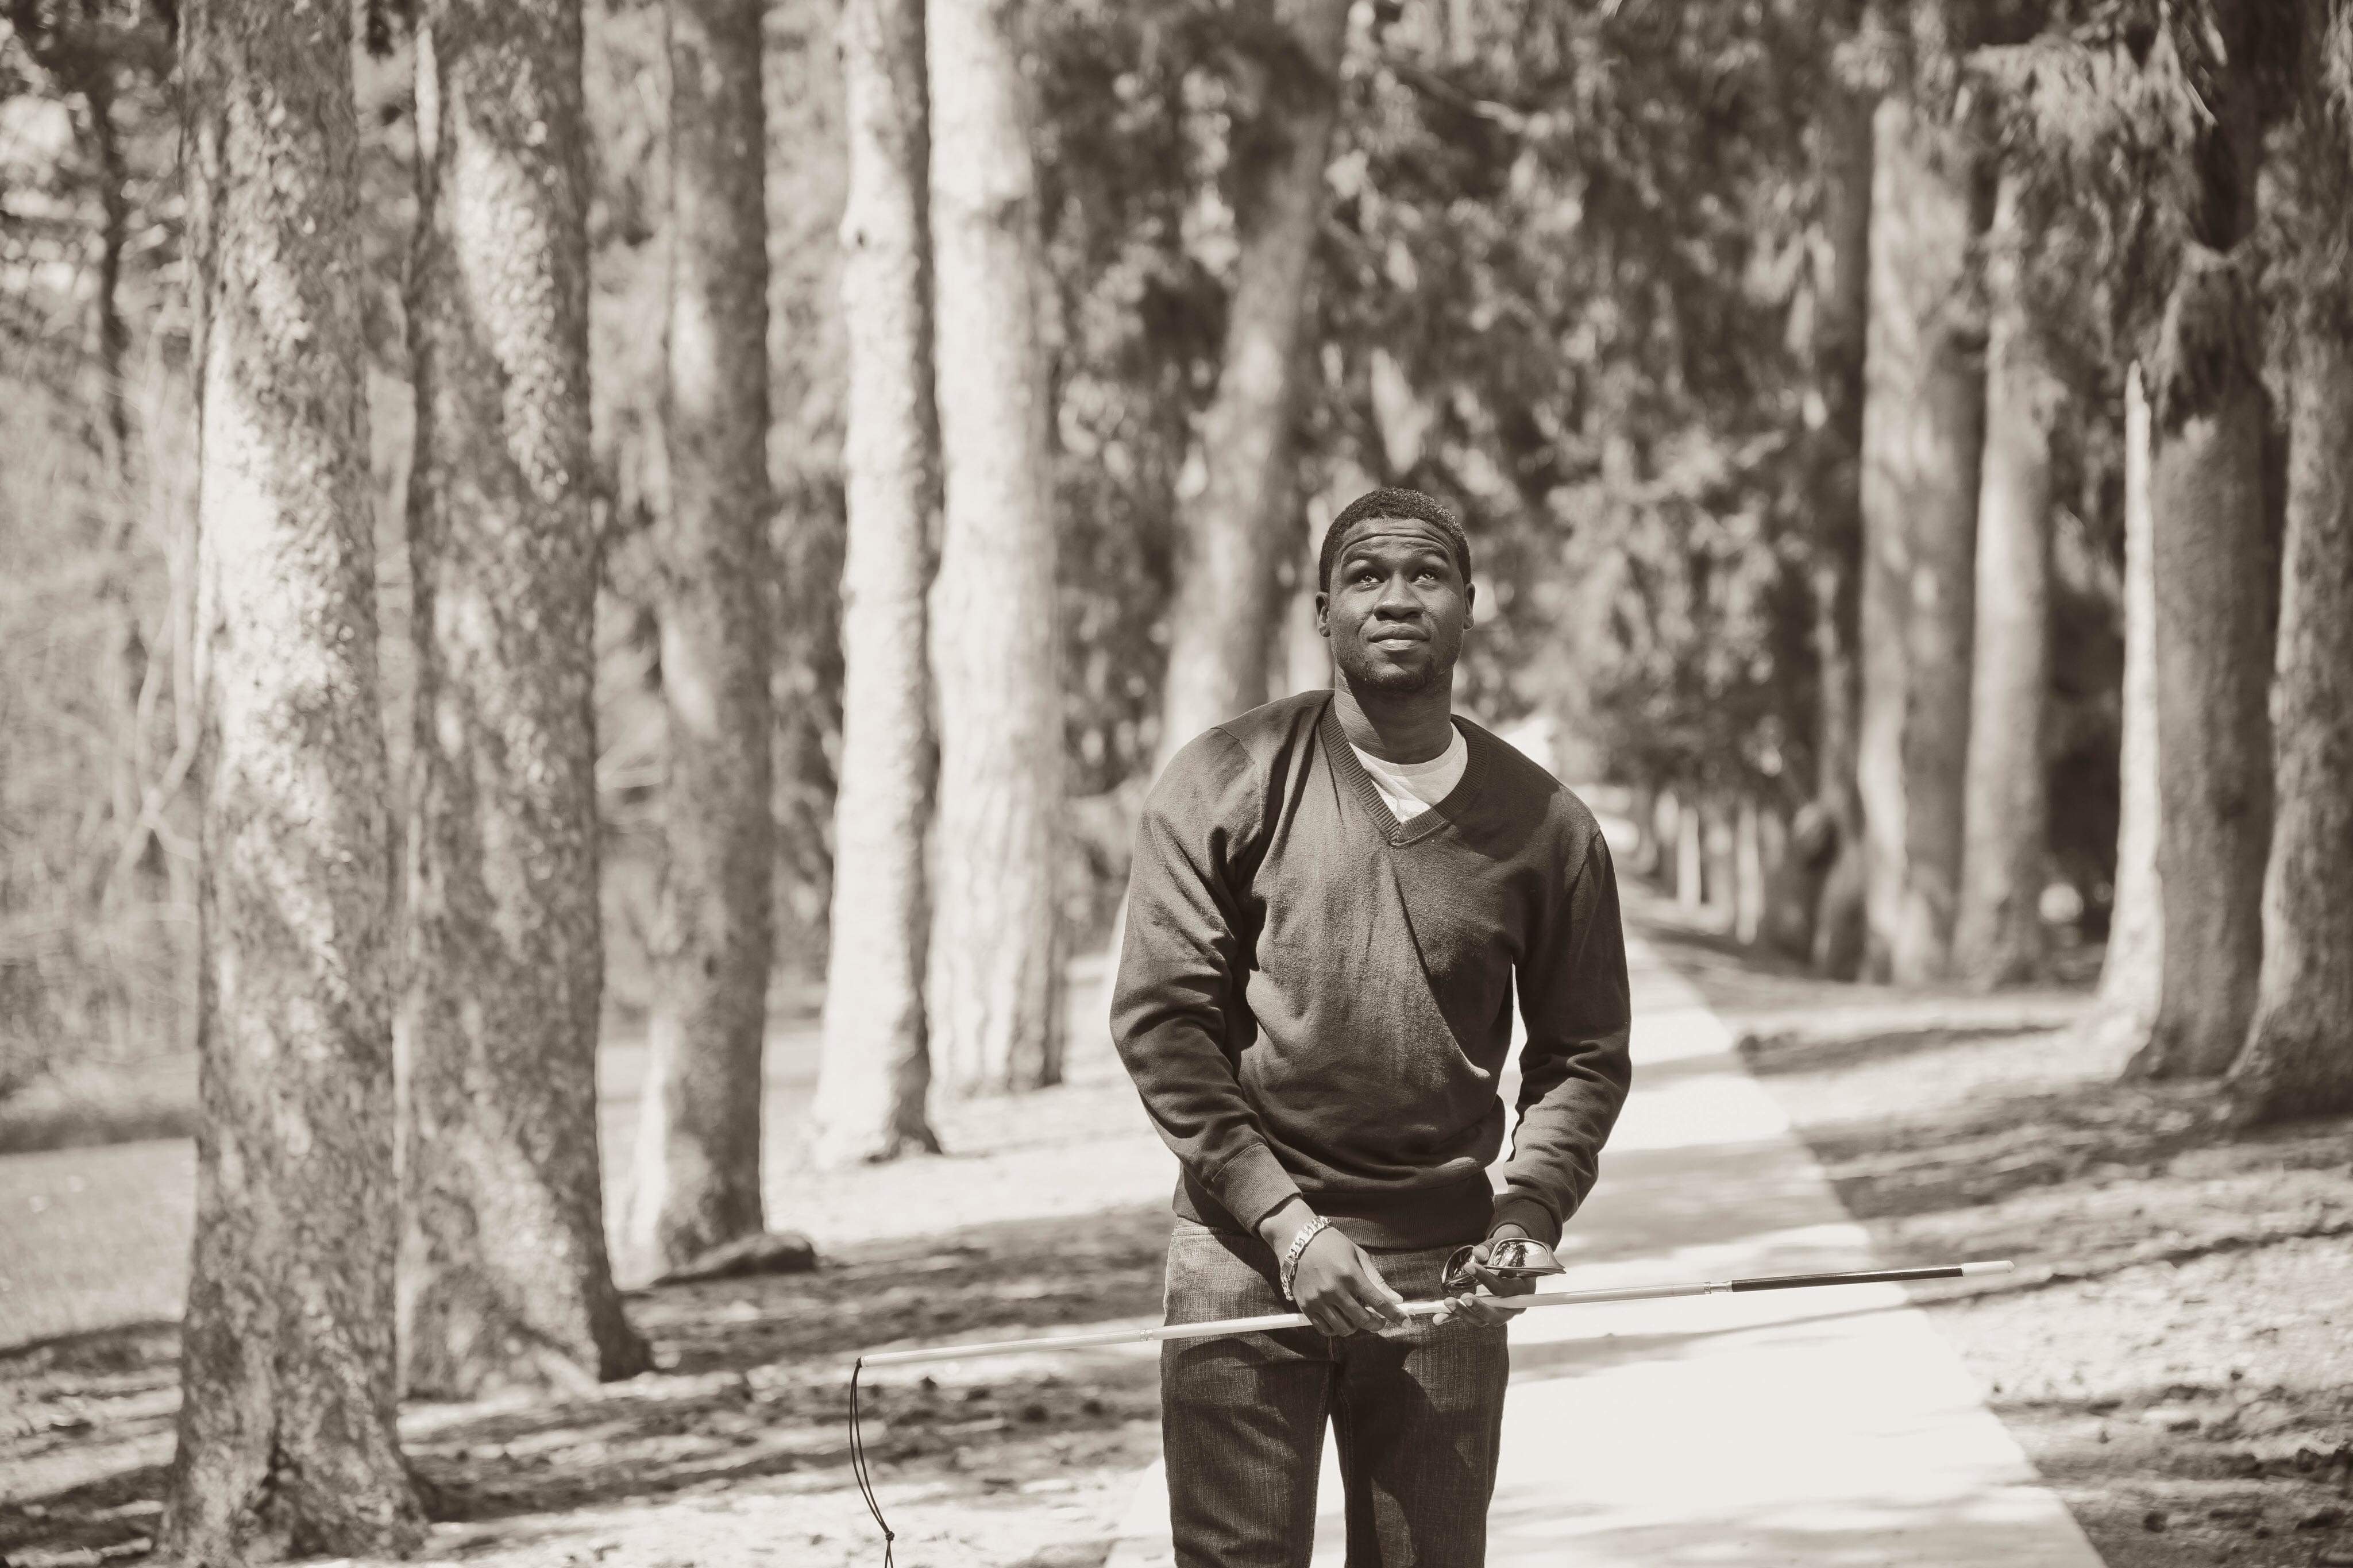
(1998, 933)
(876, 1072)
(2298, 1059)
(2214, 576)
(506, 1283)
(286, 1444)
(698, 1153)
(1923, 432)
(995, 983)
(1230, 534)
(1842, 171)
(2213, 660)
(2131, 971)
(114, 235)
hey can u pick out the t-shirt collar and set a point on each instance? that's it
(1343, 758)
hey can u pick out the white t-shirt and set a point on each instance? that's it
(1412, 788)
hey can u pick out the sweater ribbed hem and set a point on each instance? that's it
(1448, 1215)
(1252, 1185)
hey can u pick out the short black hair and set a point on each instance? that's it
(1387, 503)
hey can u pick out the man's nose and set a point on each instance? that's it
(1397, 599)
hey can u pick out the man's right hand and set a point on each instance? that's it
(1337, 1285)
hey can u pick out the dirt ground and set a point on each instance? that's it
(2175, 1351)
(736, 1449)
(1050, 1211)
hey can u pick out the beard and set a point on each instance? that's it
(1368, 671)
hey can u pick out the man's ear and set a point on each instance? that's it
(1323, 609)
(1470, 601)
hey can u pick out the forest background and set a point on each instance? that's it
(1588, 323)
(1889, 433)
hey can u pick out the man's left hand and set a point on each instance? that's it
(1462, 1306)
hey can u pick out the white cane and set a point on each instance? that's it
(1539, 1297)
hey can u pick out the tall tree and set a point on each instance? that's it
(2298, 1059)
(1233, 532)
(876, 1071)
(2212, 567)
(86, 47)
(285, 1438)
(507, 1281)
(698, 1154)
(1998, 932)
(2131, 971)
(1923, 433)
(995, 982)
(1839, 148)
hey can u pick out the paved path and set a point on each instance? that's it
(1823, 1428)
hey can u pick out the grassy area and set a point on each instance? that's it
(2176, 1353)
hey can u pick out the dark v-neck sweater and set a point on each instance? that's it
(1315, 998)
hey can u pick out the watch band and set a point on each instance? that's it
(1289, 1269)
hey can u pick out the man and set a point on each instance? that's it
(1332, 898)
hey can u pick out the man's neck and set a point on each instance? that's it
(1407, 728)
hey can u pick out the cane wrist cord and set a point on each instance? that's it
(1290, 1272)
(858, 1466)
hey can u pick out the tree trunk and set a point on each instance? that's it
(1842, 169)
(1222, 620)
(1307, 655)
(287, 1443)
(2214, 575)
(1691, 893)
(1998, 934)
(115, 234)
(876, 1071)
(697, 1152)
(1664, 831)
(996, 982)
(1747, 872)
(1644, 860)
(81, 55)
(1797, 865)
(1923, 428)
(2131, 971)
(2298, 1059)
(507, 1281)
(1720, 876)
(2206, 488)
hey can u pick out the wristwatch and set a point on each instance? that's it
(1298, 1245)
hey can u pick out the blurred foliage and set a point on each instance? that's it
(96, 850)
(1567, 246)
(1564, 282)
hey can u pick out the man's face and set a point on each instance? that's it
(1396, 606)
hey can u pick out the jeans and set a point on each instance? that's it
(1417, 1412)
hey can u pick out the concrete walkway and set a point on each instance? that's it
(1817, 1428)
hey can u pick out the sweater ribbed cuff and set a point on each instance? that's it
(1252, 1185)
(1518, 1208)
